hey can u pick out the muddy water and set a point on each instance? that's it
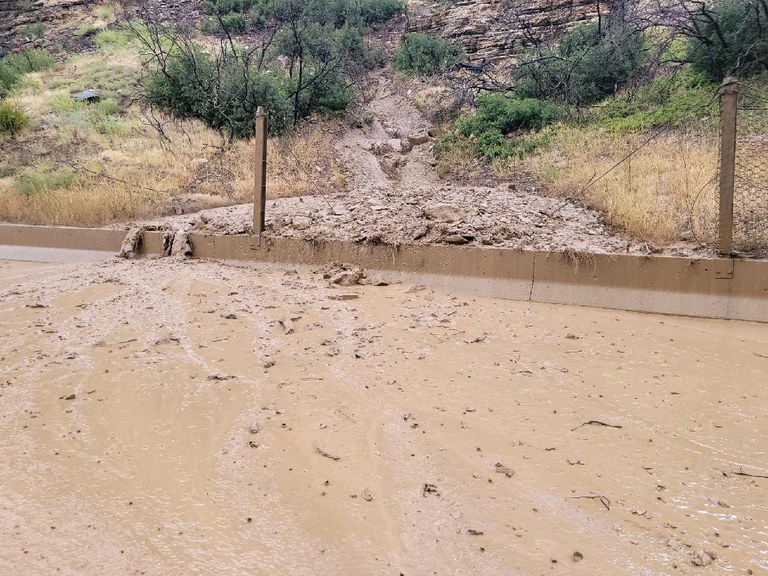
(157, 419)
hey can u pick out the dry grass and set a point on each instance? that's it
(91, 165)
(664, 192)
(303, 163)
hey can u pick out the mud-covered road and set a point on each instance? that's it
(183, 417)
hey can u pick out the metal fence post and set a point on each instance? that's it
(728, 102)
(260, 178)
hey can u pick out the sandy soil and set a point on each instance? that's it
(393, 195)
(184, 417)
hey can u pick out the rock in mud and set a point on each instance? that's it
(348, 277)
(455, 239)
(703, 558)
(301, 222)
(181, 248)
(287, 325)
(130, 246)
(344, 297)
(418, 139)
(443, 211)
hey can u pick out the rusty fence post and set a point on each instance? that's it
(260, 178)
(728, 102)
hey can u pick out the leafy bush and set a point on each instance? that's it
(335, 13)
(681, 100)
(33, 31)
(12, 118)
(590, 63)
(502, 114)
(224, 96)
(13, 66)
(378, 11)
(426, 55)
(731, 39)
(499, 125)
(321, 42)
(232, 22)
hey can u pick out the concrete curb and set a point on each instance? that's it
(713, 288)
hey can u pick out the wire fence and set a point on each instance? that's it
(750, 181)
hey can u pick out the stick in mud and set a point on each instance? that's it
(603, 500)
(325, 454)
(595, 423)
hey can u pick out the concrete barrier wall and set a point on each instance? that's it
(65, 238)
(716, 288)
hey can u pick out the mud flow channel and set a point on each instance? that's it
(168, 417)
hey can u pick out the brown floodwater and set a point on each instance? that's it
(167, 417)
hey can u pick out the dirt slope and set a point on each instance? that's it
(393, 195)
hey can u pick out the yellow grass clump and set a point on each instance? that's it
(665, 191)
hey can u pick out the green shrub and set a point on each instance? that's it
(117, 38)
(9, 77)
(33, 60)
(379, 11)
(505, 127)
(193, 87)
(13, 66)
(732, 39)
(233, 22)
(106, 12)
(502, 114)
(680, 101)
(501, 125)
(590, 63)
(425, 55)
(106, 107)
(85, 29)
(12, 118)
(33, 31)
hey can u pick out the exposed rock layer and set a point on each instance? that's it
(494, 30)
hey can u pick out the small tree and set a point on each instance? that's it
(590, 63)
(426, 55)
(729, 38)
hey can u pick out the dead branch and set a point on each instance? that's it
(596, 423)
(325, 454)
(603, 500)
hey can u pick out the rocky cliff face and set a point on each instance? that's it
(7, 12)
(18, 16)
(489, 30)
(494, 30)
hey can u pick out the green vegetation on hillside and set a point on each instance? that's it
(729, 38)
(425, 55)
(622, 114)
(315, 48)
(14, 66)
